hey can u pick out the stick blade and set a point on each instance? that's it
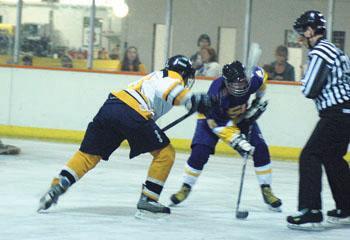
(242, 214)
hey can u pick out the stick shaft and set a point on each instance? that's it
(180, 119)
(242, 175)
(241, 184)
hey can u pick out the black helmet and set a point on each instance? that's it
(313, 19)
(235, 79)
(183, 66)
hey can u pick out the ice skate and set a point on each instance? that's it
(306, 219)
(58, 187)
(273, 202)
(149, 208)
(181, 195)
(338, 217)
(9, 149)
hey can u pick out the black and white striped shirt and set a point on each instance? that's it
(327, 79)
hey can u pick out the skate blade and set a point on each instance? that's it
(172, 204)
(45, 203)
(307, 227)
(147, 215)
(274, 209)
(339, 221)
(42, 207)
(8, 152)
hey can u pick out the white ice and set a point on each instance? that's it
(102, 204)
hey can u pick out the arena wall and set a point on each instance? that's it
(58, 105)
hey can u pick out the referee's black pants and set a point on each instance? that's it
(327, 146)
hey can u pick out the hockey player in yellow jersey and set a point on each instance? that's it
(131, 114)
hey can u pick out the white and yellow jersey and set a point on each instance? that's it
(155, 94)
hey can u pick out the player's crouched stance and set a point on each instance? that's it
(232, 122)
(131, 114)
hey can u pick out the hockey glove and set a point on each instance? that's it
(257, 108)
(202, 103)
(242, 146)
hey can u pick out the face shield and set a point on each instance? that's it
(237, 87)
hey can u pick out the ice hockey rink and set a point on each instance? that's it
(103, 203)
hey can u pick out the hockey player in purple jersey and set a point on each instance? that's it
(232, 122)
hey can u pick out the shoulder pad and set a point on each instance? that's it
(258, 72)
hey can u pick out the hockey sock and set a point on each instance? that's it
(264, 174)
(191, 175)
(158, 172)
(78, 166)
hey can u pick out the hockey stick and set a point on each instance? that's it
(242, 214)
(180, 119)
(253, 58)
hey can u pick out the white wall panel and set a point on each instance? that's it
(69, 100)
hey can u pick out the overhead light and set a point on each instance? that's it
(120, 9)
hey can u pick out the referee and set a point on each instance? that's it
(327, 82)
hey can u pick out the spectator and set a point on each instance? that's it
(115, 53)
(66, 61)
(27, 60)
(8, 149)
(131, 61)
(81, 54)
(280, 69)
(102, 54)
(203, 41)
(210, 67)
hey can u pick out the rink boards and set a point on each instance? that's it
(58, 104)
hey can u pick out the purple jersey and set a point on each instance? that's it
(231, 106)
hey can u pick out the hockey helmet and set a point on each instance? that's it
(235, 79)
(313, 19)
(182, 65)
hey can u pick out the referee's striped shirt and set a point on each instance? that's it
(336, 87)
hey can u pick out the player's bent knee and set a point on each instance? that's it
(199, 156)
(165, 154)
(162, 163)
(82, 162)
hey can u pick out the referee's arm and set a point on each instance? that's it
(315, 77)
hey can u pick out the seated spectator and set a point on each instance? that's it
(131, 61)
(203, 41)
(27, 60)
(210, 67)
(81, 54)
(115, 53)
(66, 61)
(280, 69)
(102, 54)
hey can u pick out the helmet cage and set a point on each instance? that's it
(237, 87)
(235, 79)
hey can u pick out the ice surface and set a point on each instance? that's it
(103, 203)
